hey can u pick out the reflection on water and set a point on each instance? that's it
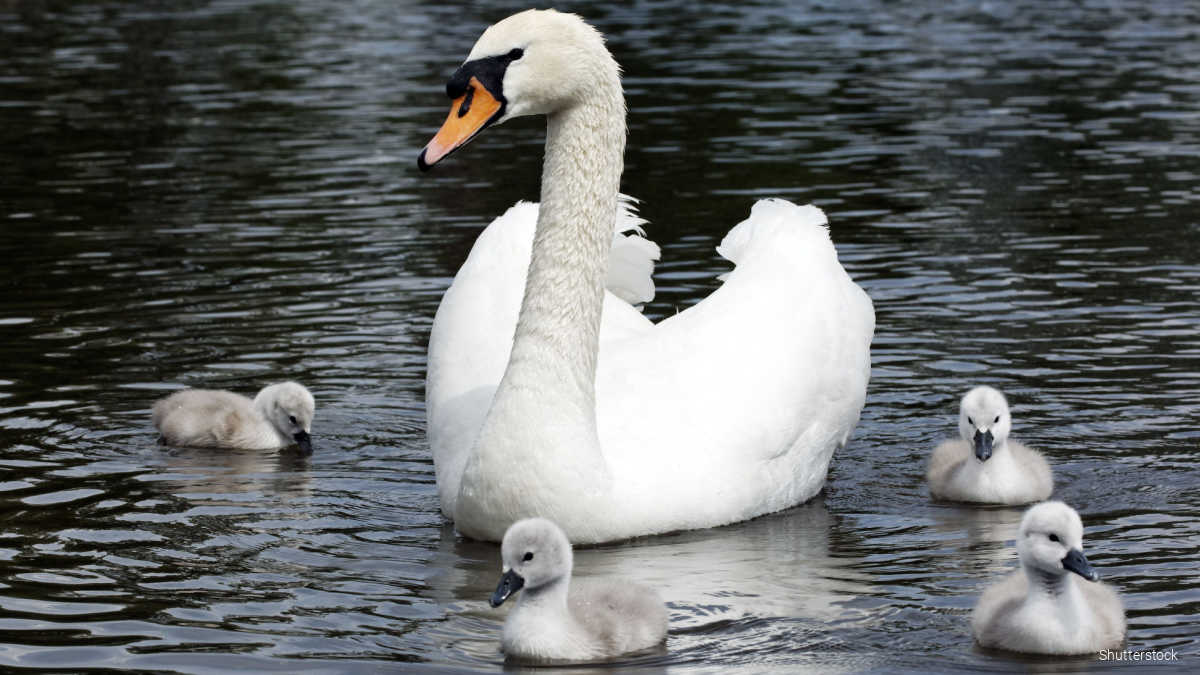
(222, 194)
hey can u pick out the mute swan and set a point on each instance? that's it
(984, 466)
(279, 416)
(595, 619)
(547, 396)
(1041, 608)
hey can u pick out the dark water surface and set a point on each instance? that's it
(224, 194)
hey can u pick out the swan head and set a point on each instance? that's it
(1050, 541)
(984, 421)
(289, 407)
(535, 553)
(536, 62)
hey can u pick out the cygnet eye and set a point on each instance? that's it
(528, 556)
(1054, 538)
(292, 418)
(970, 421)
(997, 420)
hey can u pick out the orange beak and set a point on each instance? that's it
(469, 114)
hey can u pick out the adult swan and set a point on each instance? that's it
(567, 403)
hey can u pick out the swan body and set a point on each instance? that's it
(1043, 608)
(984, 466)
(548, 395)
(279, 416)
(560, 620)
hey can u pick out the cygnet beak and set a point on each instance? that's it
(1077, 563)
(510, 583)
(983, 444)
(304, 441)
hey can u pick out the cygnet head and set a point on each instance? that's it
(1050, 541)
(535, 553)
(532, 63)
(984, 420)
(289, 407)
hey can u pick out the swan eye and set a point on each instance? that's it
(528, 556)
(1054, 538)
(997, 420)
(516, 54)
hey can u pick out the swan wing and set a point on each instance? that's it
(472, 332)
(619, 617)
(742, 398)
(1109, 612)
(1037, 470)
(631, 261)
(992, 619)
(945, 458)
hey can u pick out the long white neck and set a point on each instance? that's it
(541, 427)
(558, 329)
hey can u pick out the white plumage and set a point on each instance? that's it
(541, 404)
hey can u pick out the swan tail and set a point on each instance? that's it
(769, 219)
(631, 262)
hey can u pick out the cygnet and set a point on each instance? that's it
(557, 620)
(983, 466)
(1043, 608)
(279, 416)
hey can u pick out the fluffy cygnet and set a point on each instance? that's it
(984, 466)
(556, 620)
(1042, 608)
(281, 415)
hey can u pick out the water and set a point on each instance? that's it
(224, 193)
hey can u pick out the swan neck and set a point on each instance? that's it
(543, 414)
(559, 324)
(1044, 584)
(262, 406)
(552, 595)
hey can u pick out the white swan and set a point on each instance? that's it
(547, 396)
(279, 416)
(983, 466)
(560, 620)
(1042, 608)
